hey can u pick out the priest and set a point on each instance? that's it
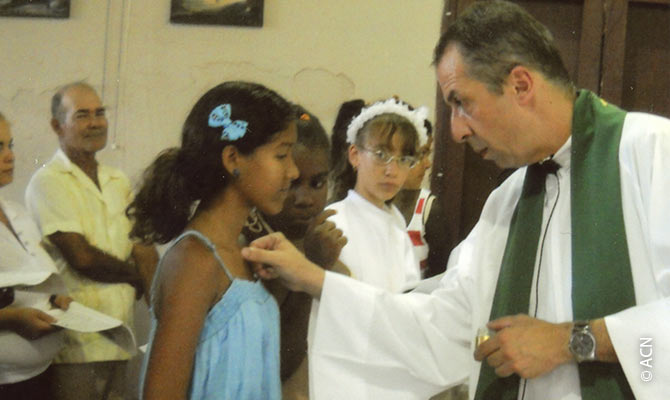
(567, 269)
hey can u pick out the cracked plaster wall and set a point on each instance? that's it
(150, 72)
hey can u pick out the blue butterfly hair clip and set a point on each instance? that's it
(232, 130)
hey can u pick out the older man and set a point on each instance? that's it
(568, 266)
(80, 205)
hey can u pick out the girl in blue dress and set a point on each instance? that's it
(215, 328)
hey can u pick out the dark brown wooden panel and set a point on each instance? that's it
(614, 47)
(651, 1)
(590, 46)
(448, 172)
(646, 79)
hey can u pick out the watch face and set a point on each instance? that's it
(582, 344)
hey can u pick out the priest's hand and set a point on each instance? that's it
(323, 240)
(528, 347)
(274, 256)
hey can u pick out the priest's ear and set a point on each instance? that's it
(522, 81)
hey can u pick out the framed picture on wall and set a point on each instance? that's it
(35, 8)
(217, 12)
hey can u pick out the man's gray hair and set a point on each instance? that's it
(493, 37)
(57, 111)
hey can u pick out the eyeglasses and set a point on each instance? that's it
(383, 158)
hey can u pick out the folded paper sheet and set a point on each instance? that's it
(84, 319)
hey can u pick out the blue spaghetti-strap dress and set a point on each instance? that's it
(237, 357)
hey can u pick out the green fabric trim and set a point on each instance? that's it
(600, 259)
(602, 278)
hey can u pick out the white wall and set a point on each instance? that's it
(150, 72)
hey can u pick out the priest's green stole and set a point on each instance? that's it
(602, 282)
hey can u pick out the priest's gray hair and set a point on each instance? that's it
(494, 37)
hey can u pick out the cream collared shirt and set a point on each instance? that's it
(62, 198)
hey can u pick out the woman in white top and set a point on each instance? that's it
(28, 340)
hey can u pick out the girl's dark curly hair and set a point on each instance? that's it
(194, 172)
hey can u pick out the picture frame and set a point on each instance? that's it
(35, 8)
(247, 13)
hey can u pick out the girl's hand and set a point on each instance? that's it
(274, 256)
(60, 301)
(324, 241)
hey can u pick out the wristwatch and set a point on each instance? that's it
(582, 343)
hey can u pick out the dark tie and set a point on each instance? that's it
(548, 167)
